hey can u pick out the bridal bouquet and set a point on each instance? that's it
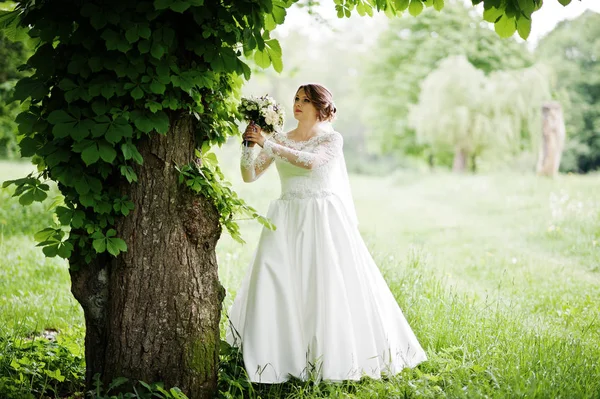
(264, 111)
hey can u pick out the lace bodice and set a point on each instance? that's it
(303, 166)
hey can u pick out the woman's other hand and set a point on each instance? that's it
(253, 134)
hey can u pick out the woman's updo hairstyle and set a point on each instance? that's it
(322, 99)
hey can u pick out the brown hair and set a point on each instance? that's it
(322, 99)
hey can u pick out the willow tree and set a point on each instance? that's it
(409, 50)
(461, 110)
(123, 102)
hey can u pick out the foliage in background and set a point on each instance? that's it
(408, 51)
(572, 50)
(12, 55)
(464, 112)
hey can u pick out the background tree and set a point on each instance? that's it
(575, 63)
(464, 112)
(408, 51)
(12, 54)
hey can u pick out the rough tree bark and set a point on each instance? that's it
(460, 160)
(553, 139)
(153, 313)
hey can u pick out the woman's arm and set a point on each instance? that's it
(252, 168)
(329, 146)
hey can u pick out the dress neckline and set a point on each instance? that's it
(291, 142)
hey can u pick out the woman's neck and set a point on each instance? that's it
(306, 130)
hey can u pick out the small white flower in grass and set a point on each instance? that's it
(514, 260)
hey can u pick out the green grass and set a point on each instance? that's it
(499, 276)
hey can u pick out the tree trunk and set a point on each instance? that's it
(460, 161)
(474, 163)
(153, 313)
(553, 139)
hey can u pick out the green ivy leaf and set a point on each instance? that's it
(415, 8)
(111, 39)
(46, 234)
(144, 31)
(262, 59)
(60, 116)
(29, 87)
(29, 146)
(67, 84)
(81, 130)
(157, 87)
(274, 50)
(50, 250)
(90, 154)
(100, 107)
(95, 64)
(130, 152)
(132, 34)
(527, 6)
(153, 106)
(26, 120)
(162, 4)
(401, 5)
(505, 27)
(26, 198)
(160, 121)
(279, 13)
(157, 50)
(101, 126)
(106, 151)
(99, 245)
(564, 2)
(438, 4)
(180, 6)
(64, 215)
(523, 27)
(492, 14)
(117, 130)
(144, 46)
(137, 93)
(115, 246)
(129, 173)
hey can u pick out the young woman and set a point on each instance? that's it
(313, 304)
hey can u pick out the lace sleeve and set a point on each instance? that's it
(252, 168)
(326, 149)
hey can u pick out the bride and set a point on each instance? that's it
(313, 304)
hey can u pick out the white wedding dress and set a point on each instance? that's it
(313, 304)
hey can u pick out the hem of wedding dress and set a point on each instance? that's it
(339, 380)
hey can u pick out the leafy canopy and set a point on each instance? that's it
(125, 71)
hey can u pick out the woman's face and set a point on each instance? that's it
(304, 110)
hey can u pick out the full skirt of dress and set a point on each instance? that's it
(313, 303)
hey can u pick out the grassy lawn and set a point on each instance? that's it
(499, 275)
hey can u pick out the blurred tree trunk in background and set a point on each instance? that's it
(460, 161)
(553, 139)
